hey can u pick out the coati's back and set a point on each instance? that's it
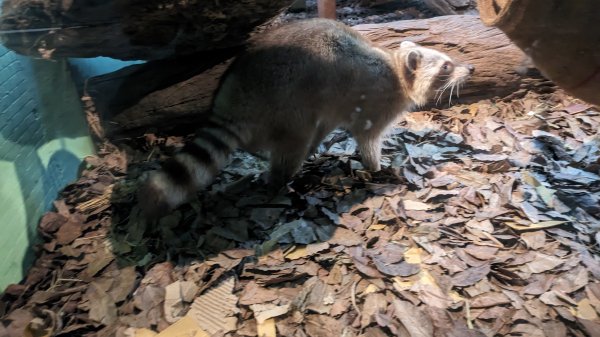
(301, 74)
(293, 86)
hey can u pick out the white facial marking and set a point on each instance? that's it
(368, 124)
(358, 109)
(427, 82)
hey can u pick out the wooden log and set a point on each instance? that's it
(501, 68)
(452, 7)
(326, 9)
(500, 71)
(130, 29)
(158, 92)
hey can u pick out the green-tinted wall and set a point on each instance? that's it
(43, 139)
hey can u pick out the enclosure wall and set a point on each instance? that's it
(43, 139)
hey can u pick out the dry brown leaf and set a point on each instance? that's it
(411, 205)
(489, 299)
(124, 284)
(99, 260)
(591, 327)
(536, 308)
(51, 222)
(102, 307)
(413, 319)
(541, 284)
(345, 237)
(471, 276)
(159, 274)
(374, 332)
(323, 326)
(543, 263)
(374, 303)
(177, 294)
(554, 329)
(484, 225)
(553, 298)
(586, 311)
(361, 262)
(574, 280)
(255, 294)
(482, 252)
(535, 226)
(187, 326)
(266, 328)
(391, 253)
(143, 332)
(69, 231)
(264, 312)
(534, 240)
(527, 329)
(396, 269)
(320, 298)
(413, 255)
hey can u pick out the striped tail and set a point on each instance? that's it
(188, 171)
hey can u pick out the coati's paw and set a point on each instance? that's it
(276, 184)
(157, 196)
(273, 190)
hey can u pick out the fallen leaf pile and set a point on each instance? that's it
(485, 222)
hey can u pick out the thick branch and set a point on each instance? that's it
(452, 7)
(500, 71)
(130, 29)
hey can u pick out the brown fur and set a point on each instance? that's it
(296, 84)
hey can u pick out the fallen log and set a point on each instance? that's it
(452, 7)
(130, 29)
(500, 70)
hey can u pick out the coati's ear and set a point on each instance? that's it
(408, 44)
(412, 60)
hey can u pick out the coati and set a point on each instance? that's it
(288, 90)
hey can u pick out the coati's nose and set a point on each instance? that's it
(471, 68)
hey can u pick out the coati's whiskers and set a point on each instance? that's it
(441, 92)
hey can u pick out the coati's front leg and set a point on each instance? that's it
(369, 145)
(317, 138)
(287, 158)
(283, 166)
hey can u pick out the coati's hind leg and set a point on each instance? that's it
(286, 159)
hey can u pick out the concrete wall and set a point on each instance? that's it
(43, 139)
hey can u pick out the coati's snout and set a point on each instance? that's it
(429, 73)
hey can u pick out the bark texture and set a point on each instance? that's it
(452, 7)
(130, 29)
(180, 91)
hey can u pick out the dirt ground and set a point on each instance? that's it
(484, 222)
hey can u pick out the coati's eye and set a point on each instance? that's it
(447, 68)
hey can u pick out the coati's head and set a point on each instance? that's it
(427, 73)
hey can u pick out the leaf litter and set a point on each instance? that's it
(485, 222)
